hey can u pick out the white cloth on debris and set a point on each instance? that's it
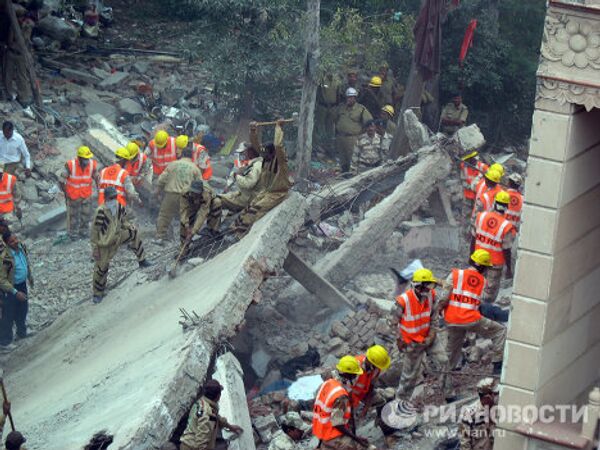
(305, 388)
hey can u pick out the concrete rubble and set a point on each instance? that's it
(93, 355)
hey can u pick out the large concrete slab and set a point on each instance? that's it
(125, 365)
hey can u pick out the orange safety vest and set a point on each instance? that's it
(488, 197)
(7, 185)
(201, 158)
(362, 384)
(469, 174)
(416, 316)
(465, 298)
(134, 168)
(115, 176)
(513, 214)
(239, 162)
(328, 393)
(161, 157)
(79, 181)
(490, 230)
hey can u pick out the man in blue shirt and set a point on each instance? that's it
(15, 273)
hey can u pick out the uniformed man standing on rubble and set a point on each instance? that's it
(197, 206)
(110, 230)
(477, 425)
(204, 420)
(454, 115)
(368, 150)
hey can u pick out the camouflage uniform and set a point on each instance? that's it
(476, 429)
(195, 209)
(109, 232)
(174, 181)
(349, 125)
(203, 426)
(247, 182)
(274, 182)
(368, 153)
(453, 113)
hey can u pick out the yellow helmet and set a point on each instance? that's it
(389, 109)
(133, 149)
(423, 276)
(470, 155)
(376, 81)
(349, 364)
(502, 197)
(378, 356)
(182, 141)
(160, 138)
(493, 175)
(84, 152)
(122, 153)
(481, 257)
(499, 167)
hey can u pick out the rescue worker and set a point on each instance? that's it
(138, 166)
(414, 314)
(10, 196)
(15, 276)
(274, 180)
(174, 181)
(513, 214)
(351, 117)
(351, 82)
(487, 189)
(386, 138)
(461, 300)
(375, 361)
(388, 89)
(454, 115)
(332, 410)
(162, 150)
(371, 96)
(327, 101)
(200, 155)
(13, 150)
(387, 114)
(110, 230)
(246, 177)
(493, 232)
(197, 206)
(117, 177)
(477, 424)
(479, 185)
(76, 182)
(470, 168)
(204, 421)
(368, 151)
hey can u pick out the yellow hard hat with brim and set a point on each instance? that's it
(349, 364)
(482, 257)
(493, 175)
(379, 357)
(84, 152)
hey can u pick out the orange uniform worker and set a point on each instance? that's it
(415, 312)
(375, 361)
(513, 214)
(470, 168)
(494, 233)
(9, 196)
(162, 150)
(119, 178)
(332, 410)
(487, 188)
(76, 182)
(138, 166)
(460, 302)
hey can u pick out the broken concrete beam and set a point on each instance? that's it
(313, 283)
(125, 365)
(78, 75)
(447, 204)
(104, 139)
(233, 404)
(470, 138)
(416, 132)
(47, 219)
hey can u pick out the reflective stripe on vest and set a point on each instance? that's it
(469, 174)
(488, 197)
(513, 214)
(416, 316)
(465, 298)
(491, 228)
(328, 393)
(114, 176)
(79, 181)
(363, 382)
(134, 169)
(201, 158)
(7, 185)
(161, 157)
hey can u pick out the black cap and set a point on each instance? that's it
(110, 193)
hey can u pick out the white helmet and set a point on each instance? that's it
(516, 178)
(351, 92)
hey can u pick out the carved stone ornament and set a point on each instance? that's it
(564, 92)
(572, 41)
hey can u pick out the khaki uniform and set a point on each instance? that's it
(195, 209)
(14, 68)
(372, 99)
(108, 233)
(368, 153)
(274, 183)
(203, 426)
(476, 429)
(387, 91)
(174, 181)
(248, 185)
(327, 101)
(451, 112)
(349, 126)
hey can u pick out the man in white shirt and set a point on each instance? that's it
(13, 150)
